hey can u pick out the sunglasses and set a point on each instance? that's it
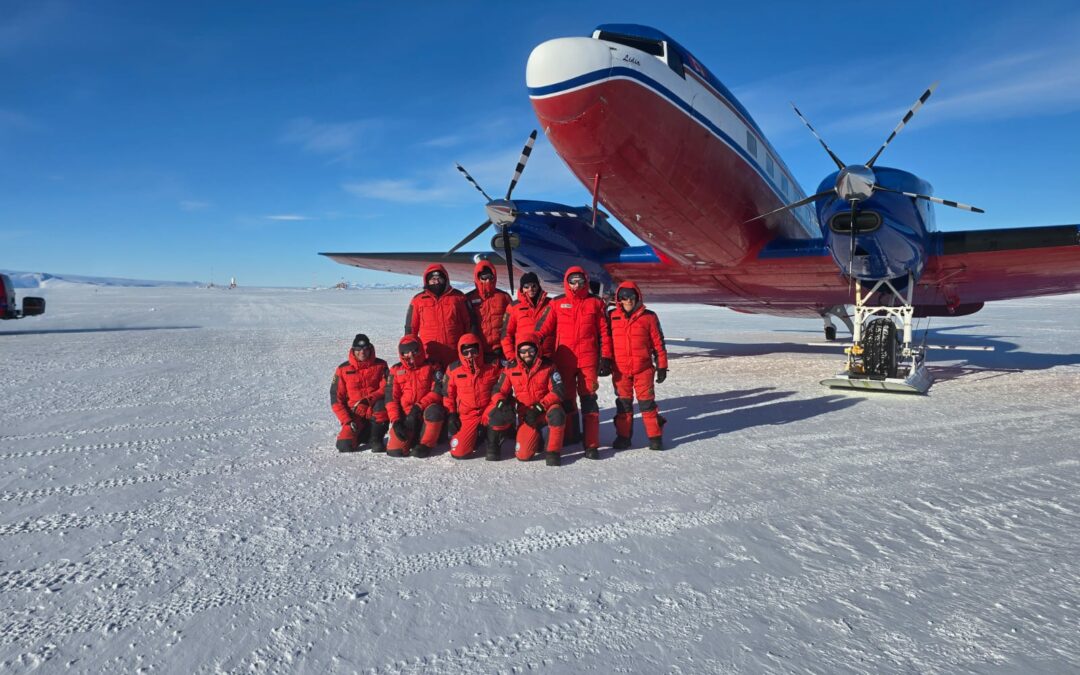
(408, 348)
(435, 276)
(470, 350)
(527, 349)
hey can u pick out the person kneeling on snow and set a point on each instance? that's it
(413, 401)
(469, 382)
(533, 381)
(356, 397)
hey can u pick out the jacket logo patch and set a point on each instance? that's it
(476, 301)
(566, 305)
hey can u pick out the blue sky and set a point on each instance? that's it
(169, 140)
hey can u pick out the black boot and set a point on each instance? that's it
(553, 458)
(421, 451)
(378, 437)
(592, 453)
(656, 443)
(621, 443)
(345, 445)
(493, 452)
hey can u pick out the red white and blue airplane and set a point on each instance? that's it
(667, 148)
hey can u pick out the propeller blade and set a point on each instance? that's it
(509, 255)
(851, 254)
(472, 235)
(556, 214)
(525, 152)
(839, 164)
(471, 180)
(910, 113)
(801, 202)
(936, 200)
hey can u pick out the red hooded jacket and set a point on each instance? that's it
(488, 306)
(418, 385)
(469, 387)
(523, 316)
(355, 383)
(579, 323)
(539, 384)
(439, 320)
(636, 337)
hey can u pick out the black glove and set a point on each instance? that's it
(605, 367)
(453, 424)
(534, 416)
(355, 428)
(415, 412)
(661, 375)
(399, 430)
(508, 363)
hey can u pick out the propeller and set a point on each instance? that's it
(501, 211)
(857, 182)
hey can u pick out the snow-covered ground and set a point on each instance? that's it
(171, 500)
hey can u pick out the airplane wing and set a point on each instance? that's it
(459, 265)
(977, 266)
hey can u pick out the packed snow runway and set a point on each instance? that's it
(171, 500)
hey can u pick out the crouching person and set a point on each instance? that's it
(469, 383)
(356, 397)
(413, 401)
(536, 386)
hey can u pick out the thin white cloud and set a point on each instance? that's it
(405, 191)
(287, 217)
(448, 141)
(327, 138)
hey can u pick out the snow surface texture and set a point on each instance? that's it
(171, 500)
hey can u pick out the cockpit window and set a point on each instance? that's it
(654, 47)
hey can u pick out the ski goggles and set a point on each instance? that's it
(627, 294)
(486, 275)
(470, 350)
(409, 348)
(576, 279)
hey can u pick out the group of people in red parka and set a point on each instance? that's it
(477, 367)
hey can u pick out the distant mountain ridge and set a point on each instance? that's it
(47, 280)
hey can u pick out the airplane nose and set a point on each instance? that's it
(561, 67)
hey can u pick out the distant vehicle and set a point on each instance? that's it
(9, 309)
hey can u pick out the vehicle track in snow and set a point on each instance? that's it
(360, 576)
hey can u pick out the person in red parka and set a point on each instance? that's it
(413, 401)
(469, 383)
(356, 397)
(579, 322)
(526, 314)
(536, 385)
(640, 359)
(488, 306)
(438, 315)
